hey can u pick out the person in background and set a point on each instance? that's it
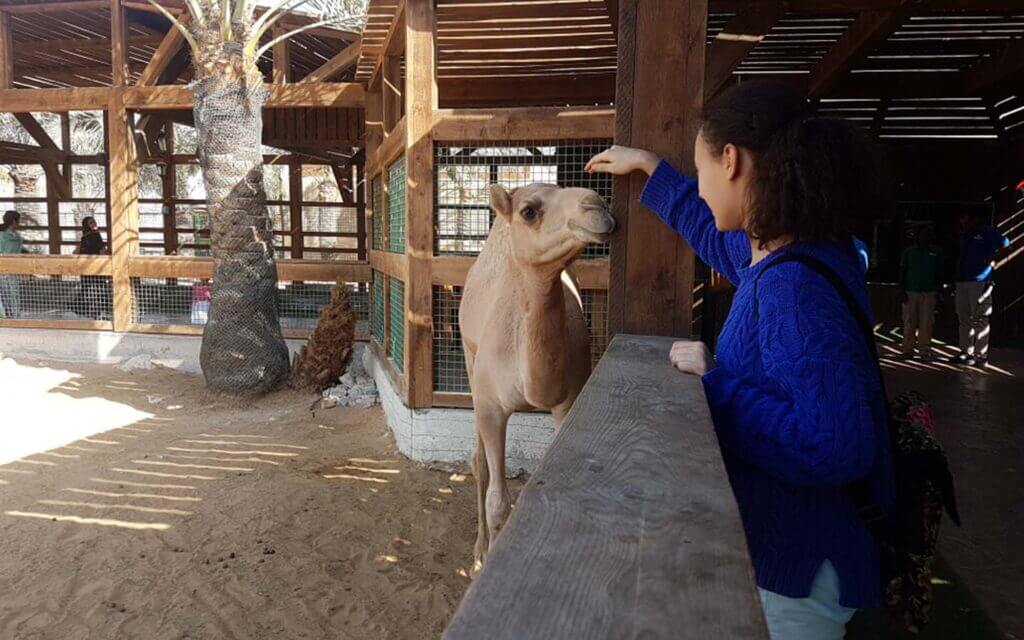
(793, 389)
(10, 242)
(201, 294)
(91, 242)
(919, 280)
(980, 245)
(93, 289)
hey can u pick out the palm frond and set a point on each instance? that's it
(181, 27)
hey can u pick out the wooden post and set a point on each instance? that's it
(295, 203)
(360, 187)
(282, 59)
(169, 187)
(651, 277)
(120, 74)
(124, 207)
(421, 101)
(392, 91)
(6, 52)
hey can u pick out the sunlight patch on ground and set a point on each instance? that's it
(104, 522)
(37, 418)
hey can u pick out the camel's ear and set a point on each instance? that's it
(501, 201)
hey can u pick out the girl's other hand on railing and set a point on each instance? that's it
(690, 356)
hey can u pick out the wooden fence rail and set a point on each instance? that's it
(629, 528)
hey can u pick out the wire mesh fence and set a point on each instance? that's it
(595, 310)
(85, 298)
(396, 206)
(377, 313)
(377, 202)
(464, 171)
(449, 360)
(396, 322)
(450, 374)
(186, 301)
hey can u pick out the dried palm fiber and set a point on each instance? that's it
(243, 350)
(326, 356)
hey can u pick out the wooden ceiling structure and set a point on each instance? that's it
(953, 67)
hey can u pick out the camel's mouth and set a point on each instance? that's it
(589, 235)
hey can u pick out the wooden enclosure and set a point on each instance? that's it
(408, 122)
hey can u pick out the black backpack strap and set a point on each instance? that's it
(859, 491)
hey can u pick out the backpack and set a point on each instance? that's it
(907, 537)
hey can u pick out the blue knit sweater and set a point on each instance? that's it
(795, 400)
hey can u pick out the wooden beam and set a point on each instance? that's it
(59, 183)
(124, 206)
(629, 528)
(846, 7)
(6, 52)
(737, 39)
(295, 207)
(282, 59)
(868, 31)
(340, 62)
(393, 41)
(56, 265)
(324, 94)
(391, 148)
(56, 7)
(201, 267)
(652, 269)
(393, 91)
(420, 102)
(162, 57)
(527, 123)
(1006, 65)
(578, 89)
(120, 73)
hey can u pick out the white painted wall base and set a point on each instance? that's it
(448, 435)
(105, 347)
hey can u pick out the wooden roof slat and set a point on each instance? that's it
(863, 35)
(738, 38)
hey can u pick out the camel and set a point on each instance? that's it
(523, 332)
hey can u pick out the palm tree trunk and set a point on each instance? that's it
(243, 351)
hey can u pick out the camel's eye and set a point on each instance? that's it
(529, 214)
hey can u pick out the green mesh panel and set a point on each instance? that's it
(377, 200)
(378, 308)
(396, 343)
(396, 206)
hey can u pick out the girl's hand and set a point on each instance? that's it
(622, 161)
(691, 357)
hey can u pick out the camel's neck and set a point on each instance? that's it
(542, 337)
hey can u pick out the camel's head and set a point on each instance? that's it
(551, 225)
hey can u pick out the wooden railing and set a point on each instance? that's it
(629, 528)
(67, 314)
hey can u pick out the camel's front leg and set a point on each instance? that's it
(480, 475)
(491, 423)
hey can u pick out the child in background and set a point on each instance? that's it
(201, 301)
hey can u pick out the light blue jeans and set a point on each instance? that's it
(819, 616)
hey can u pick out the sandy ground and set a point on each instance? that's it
(134, 505)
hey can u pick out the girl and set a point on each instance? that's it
(10, 242)
(794, 392)
(92, 294)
